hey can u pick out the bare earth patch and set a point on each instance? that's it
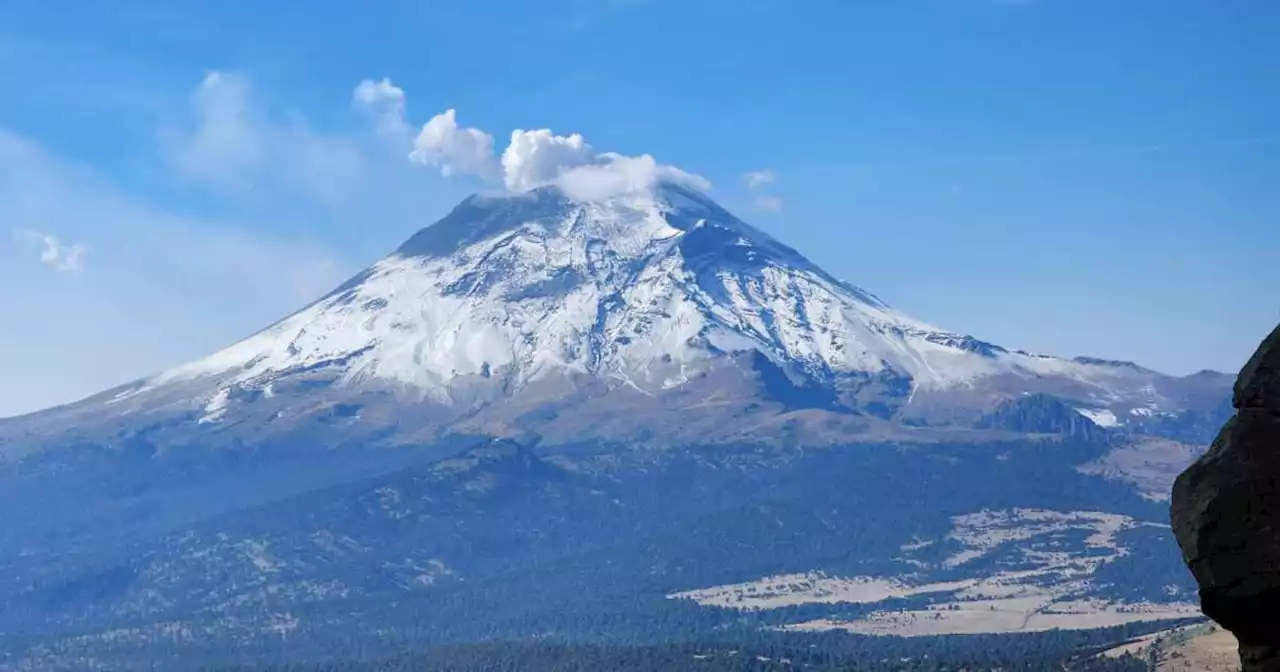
(1150, 464)
(1195, 648)
(1050, 589)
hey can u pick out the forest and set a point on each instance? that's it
(1056, 651)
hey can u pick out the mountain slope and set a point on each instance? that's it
(496, 542)
(513, 306)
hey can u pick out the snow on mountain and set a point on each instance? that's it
(650, 291)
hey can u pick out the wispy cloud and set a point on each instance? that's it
(758, 178)
(53, 253)
(385, 101)
(758, 181)
(232, 141)
(141, 241)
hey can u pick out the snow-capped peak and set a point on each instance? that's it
(651, 288)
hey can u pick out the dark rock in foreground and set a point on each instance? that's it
(1226, 514)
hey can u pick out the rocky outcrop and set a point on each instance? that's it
(1226, 515)
(1041, 414)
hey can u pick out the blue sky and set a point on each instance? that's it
(1064, 176)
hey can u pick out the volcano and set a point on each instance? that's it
(636, 417)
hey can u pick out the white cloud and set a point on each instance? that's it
(532, 158)
(757, 181)
(758, 178)
(385, 101)
(538, 157)
(233, 142)
(613, 175)
(467, 151)
(221, 142)
(54, 254)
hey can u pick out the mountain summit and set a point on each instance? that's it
(649, 290)
(512, 309)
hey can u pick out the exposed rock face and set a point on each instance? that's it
(1042, 414)
(1226, 515)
